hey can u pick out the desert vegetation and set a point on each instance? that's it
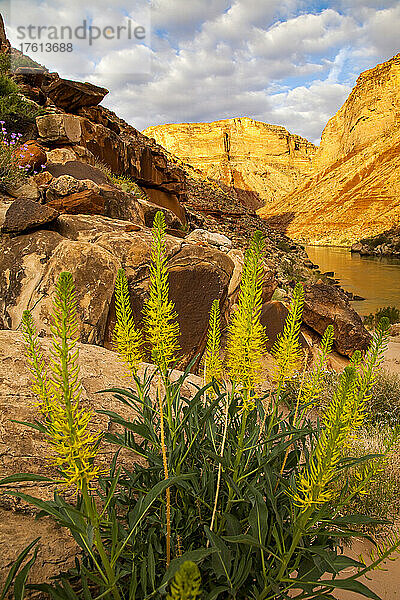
(12, 102)
(231, 495)
(392, 313)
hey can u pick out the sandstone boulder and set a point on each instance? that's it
(28, 190)
(269, 282)
(72, 95)
(31, 156)
(65, 154)
(197, 276)
(25, 214)
(212, 239)
(273, 317)
(43, 179)
(30, 266)
(64, 185)
(67, 194)
(59, 128)
(88, 228)
(149, 212)
(93, 248)
(327, 305)
(5, 203)
(78, 170)
(86, 202)
(24, 450)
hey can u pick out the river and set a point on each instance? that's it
(377, 279)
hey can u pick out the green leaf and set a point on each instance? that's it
(14, 569)
(222, 562)
(37, 426)
(258, 517)
(195, 556)
(217, 591)
(142, 506)
(244, 538)
(20, 580)
(45, 507)
(19, 477)
(47, 589)
(111, 490)
(151, 566)
(351, 585)
(85, 588)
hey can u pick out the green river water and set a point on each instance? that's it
(375, 279)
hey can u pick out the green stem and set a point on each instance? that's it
(239, 455)
(94, 521)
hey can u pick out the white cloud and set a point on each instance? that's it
(382, 31)
(281, 61)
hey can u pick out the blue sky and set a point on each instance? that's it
(288, 62)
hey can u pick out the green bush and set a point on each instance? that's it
(7, 86)
(12, 102)
(128, 185)
(390, 312)
(382, 405)
(227, 480)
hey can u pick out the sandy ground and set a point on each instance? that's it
(392, 356)
(385, 583)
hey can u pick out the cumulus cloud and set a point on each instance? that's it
(290, 62)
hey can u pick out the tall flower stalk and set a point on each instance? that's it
(344, 415)
(162, 331)
(246, 344)
(212, 358)
(66, 423)
(213, 370)
(127, 338)
(287, 350)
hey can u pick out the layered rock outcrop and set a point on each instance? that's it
(93, 248)
(257, 162)
(386, 243)
(355, 188)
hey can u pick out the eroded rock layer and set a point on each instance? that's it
(355, 188)
(258, 162)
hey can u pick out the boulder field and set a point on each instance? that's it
(75, 213)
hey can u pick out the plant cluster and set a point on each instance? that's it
(11, 173)
(13, 102)
(126, 183)
(234, 497)
(389, 312)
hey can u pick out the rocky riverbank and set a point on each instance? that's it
(384, 244)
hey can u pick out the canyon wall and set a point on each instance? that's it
(258, 162)
(354, 191)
